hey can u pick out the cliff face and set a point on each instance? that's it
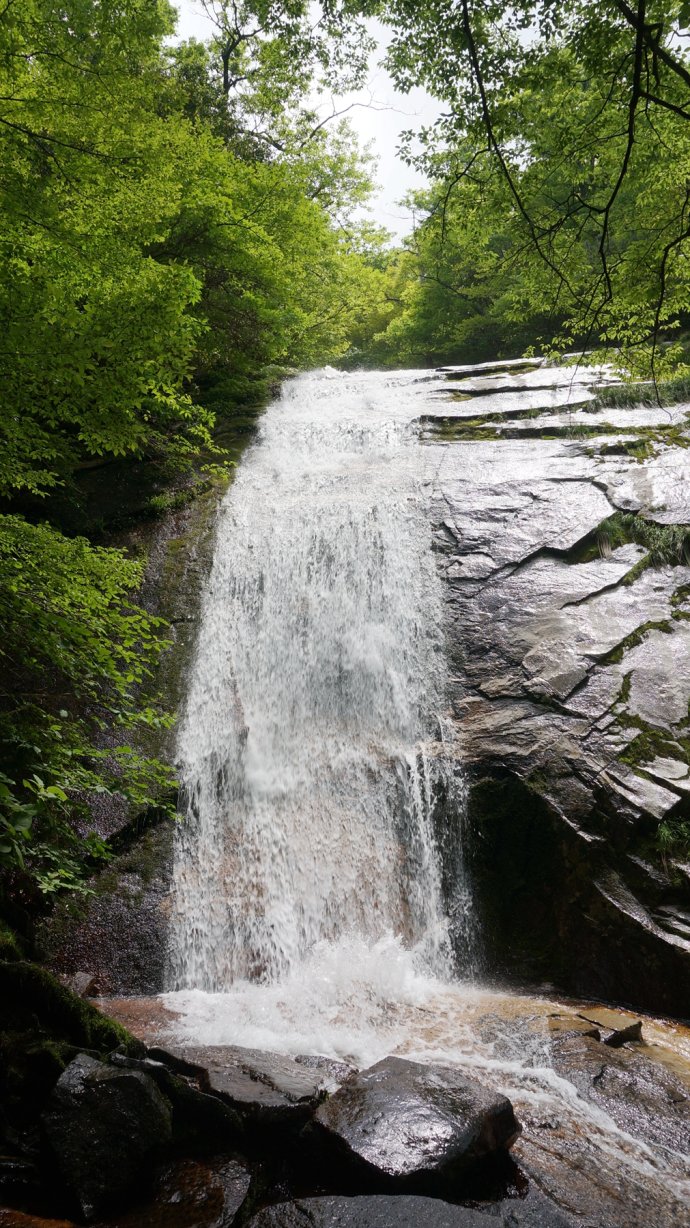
(569, 599)
(119, 933)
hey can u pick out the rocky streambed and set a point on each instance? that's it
(593, 1129)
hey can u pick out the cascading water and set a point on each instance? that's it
(312, 745)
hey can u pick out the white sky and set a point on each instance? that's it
(380, 123)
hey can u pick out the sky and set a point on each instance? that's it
(379, 115)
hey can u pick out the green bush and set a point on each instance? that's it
(76, 653)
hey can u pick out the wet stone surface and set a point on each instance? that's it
(104, 1125)
(407, 1211)
(643, 1099)
(413, 1124)
(264, 1088)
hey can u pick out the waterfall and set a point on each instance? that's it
(320, 905)
(311, 747)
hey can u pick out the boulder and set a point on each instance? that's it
(407, 1211)
(414, 1126)
(199, 1119)
(103, 1127)
(376, 1211)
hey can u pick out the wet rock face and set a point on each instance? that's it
(404, 1211)
(643, 1099)
(370, 1212)
(103, 1126)
(415, 1125)
(571, 700)
(119, 934)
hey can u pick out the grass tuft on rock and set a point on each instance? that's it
(625, 396)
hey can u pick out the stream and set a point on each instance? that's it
(321, 903)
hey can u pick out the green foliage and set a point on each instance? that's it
(673, 837)
(668, 545)
(669, 392)
(560, 164)
(76, 653)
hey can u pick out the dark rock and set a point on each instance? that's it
(19, 1179)
(120, 931)
(413, 1125)
(406, 1211)
(552, 907)
(192, 1194)
(199, 1120)
(103, 1126)
(263, 1088)
(83, 984)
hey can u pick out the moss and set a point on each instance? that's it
(537, 783)
(42, 1028)
(647, 441)
(454, 430)
(174, 500)
(34, 1001)
(615, 655)
(624, 693)
(681, 594)
(649, 743)
(10, 947)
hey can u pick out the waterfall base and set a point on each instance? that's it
(604, 1128)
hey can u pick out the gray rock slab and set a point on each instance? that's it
(644, 795)
(259, 1086)
(644, 1098)
(674, 771)
(413, 1123)
(510, 520)
(575, 637)
(375, 1211)
(543, 377)
(660, 488)
(518, 402)
(660, 668)
(508, 364)
(535, 697)
(629, 421)
(598, 693)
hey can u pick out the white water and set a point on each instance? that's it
(308, 911)
(312, 746)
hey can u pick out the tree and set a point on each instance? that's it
(168, 240)
(582, 113)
